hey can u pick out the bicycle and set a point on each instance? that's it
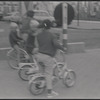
(12, 56)
(24, 69)
(60, 71)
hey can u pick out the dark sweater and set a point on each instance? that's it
(13, 38)
(25, 25)
(30, 42)
(48, 43)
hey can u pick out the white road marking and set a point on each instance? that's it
(5, 48)
(1, 30)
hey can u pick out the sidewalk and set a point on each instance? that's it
(85, 24)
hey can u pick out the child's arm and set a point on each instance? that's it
(15, 37)
(35, 50)
(36, 42)
(56, 43)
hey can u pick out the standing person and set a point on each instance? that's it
(15, 39)
(48, 46)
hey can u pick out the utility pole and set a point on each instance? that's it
(89, 10)
(64, 20)
(65, 28)
(78, 13)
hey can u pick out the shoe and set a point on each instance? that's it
(51, 95)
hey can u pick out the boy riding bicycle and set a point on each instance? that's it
(31, 42)
(14, 38)
(48, 45)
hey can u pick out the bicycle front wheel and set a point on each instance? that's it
(12, 58)
(57, 69)
(69, 78)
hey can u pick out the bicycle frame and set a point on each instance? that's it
(64, 62)
(33, 65)
(55, 65)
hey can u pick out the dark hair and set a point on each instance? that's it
(46, 24)
(30, 13)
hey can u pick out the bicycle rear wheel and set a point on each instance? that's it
(34, 85)
(12, 58)
(22, 72)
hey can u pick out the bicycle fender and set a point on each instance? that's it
(36, 76)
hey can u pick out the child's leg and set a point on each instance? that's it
(49, 69)
(29, 51)
(16, 47)
(48, 62)
(31, 58)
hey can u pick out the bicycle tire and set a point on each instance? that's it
(69, 78)
(12, 57)
(34, 86)
(56, 70)
(22, 72)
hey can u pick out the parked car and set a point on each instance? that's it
(14, 16)
(41, 15)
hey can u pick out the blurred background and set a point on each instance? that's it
(84, 10)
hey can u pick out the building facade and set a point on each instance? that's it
(9, 6)
(86, 10)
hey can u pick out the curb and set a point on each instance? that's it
(83, 28)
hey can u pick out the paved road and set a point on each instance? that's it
(86, 65)
(90, 37)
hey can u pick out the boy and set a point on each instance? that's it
(25, 27)
(25, 24)
(14, 38)
(31, 43)
(48, 45)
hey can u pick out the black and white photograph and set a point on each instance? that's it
(49, 49)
